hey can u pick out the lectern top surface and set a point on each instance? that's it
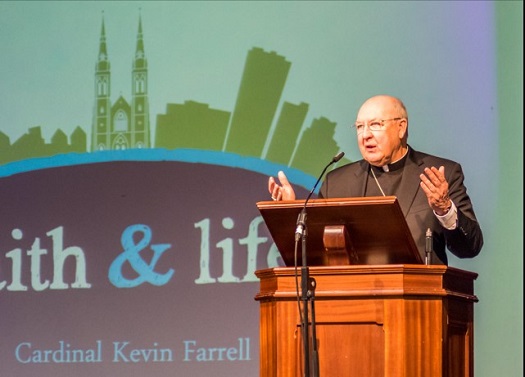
(376, 228)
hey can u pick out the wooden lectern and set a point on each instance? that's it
(396, 320)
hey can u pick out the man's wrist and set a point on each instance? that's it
(449, 219)
(447, 208)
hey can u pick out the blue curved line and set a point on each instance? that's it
(254, 164)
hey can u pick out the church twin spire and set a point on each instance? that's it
(139, 52)
(102, 51)
(121, 125)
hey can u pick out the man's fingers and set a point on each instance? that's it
(426, 180)
(271, 185)
(282, 178)
(425, 189)
(439, 173)
(435, 176)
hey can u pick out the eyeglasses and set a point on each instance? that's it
(375, 125)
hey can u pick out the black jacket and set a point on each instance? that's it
(465, 241)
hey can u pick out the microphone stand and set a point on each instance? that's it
(307, 298)
(308, 285)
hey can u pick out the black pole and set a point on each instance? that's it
(307, 284)
(315, 353)
(311, 359)
(305, 327)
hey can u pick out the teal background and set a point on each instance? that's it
(457, 65)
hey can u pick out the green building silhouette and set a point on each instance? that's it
(286, 133)
(316, 147)
(191, 125)
(32, 144)
(259, 94)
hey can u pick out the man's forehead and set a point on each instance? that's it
(373, 112)
(376, 107)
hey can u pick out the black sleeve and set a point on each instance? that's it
(466, 240)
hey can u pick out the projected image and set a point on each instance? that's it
(137, 137)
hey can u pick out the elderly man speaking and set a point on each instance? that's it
(430, 189)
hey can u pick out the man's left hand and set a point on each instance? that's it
(435, 186)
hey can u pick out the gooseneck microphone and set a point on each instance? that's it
(308, 285)
(301, 219)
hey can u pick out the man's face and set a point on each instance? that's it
(383, 146)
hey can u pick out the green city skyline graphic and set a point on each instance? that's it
(246, 131)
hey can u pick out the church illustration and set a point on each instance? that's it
(124, 124)
(121, 125)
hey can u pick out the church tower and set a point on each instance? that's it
(121, 126)
(101, 132)
(140, 128)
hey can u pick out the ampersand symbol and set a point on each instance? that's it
(131, 254)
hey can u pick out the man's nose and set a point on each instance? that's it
(366, 132)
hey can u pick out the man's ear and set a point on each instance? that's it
(403, 128)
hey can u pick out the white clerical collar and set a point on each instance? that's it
(386, 168)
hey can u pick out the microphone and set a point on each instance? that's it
(301, 219)
(428, 246)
